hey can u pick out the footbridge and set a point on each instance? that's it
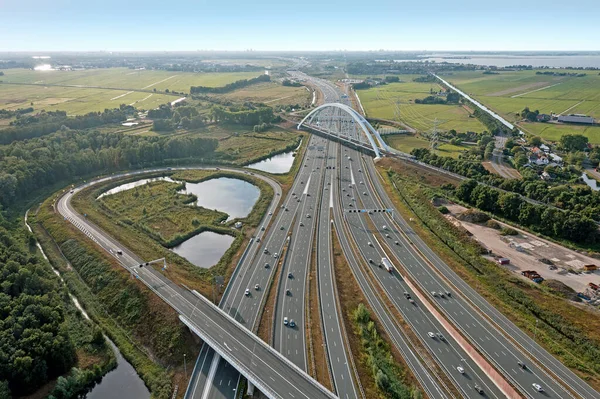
(343, 123)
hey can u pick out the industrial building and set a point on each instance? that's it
(576, 118)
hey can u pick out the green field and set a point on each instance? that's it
(80, 100)
(406, 143)
(508, 93)
(380, 102)
(270, 93)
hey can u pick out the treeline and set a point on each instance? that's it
(386, 372)
(408, 67)
(248, 116)
(553, 73)
(7, 113)
(451, 98)
(290, 83)
(28, 127)
(556, 223)
(27, 166)
(34, 345)
(231, 86)
(462, 167)
(494, 125)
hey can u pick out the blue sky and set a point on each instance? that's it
(125, 25)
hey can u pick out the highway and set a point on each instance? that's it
(466, 309)
(277, 376)
(213, 378)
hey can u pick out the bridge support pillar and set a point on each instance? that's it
(250, 391)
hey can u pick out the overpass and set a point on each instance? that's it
(343, 123)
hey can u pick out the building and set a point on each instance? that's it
(543, 118)
(576, 118)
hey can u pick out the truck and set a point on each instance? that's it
(532, 275)
(387, 264)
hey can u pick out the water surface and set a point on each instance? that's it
(277, 164)
(204, 249)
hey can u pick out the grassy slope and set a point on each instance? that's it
(270, 93)
(406, 143)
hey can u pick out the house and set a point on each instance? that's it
(544, 148)
(543, 117)
(546, 176)
(555, 158)
(576, 118)
(536, 150)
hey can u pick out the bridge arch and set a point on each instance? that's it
(342, 121)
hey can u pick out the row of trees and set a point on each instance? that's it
(34, 346)
(8, 113)
(569, 225)
(229, 87)
(248, 116)
(45, 123)
(27, 166)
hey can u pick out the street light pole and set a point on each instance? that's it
(184, 365)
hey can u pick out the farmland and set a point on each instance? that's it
(508, 93)
(271, 94)
(92, 97)
(379, 102)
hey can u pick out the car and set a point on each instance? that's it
(447, 293)
(537, 387)
(431, 335)
(350, 205)
(442, 295)
(288, 292)
(329, 183)
(285, 321)
(387, 236)
(302, 181)
(370, 212)
(347, 194)
(478, 389)
(293, 194)
(301, 224)
(364, 193)
(434, 293)
(361, 182)
(290, 275)
(406, 295)
(119, 252)
(521, 364)
(298, 200)
(308, 216)
(370, 244)
(72, 191)
(282, 206)
(396, 242)
(441, 337)
(276, 255)
(266, 266)
(370, 260)
(292, 323)
(258, 239)
(343, 189)
(263, 228)
(460, 370)
(282, 228)
(270, 213)
(286, 209)
(257, 287)
(266, 251)
(278, 193)
(360, 170)
(247, 293)
(349, 185)
(411, 300)
(384, 227)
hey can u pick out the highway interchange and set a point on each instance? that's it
(332, 180)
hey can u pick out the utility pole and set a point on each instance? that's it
(434, 136)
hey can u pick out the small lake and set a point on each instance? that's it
(277, 164)
(204, 249)
(121, 382)
(137, 183)
(590, 182)
(233, 196)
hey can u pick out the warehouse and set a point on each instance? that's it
(576, 118)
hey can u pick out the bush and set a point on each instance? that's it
(473, 216)
(507, 231)
(443, 210)
(493, 224)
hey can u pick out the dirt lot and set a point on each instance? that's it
(525, 250)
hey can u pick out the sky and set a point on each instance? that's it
(279, 25)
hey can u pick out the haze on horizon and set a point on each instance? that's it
(187, 25)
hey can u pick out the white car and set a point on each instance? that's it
(431, 335)
(256, 287)
(537, 387)
(460, 370)
(247, 293)
(285, 321)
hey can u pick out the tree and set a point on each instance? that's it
(535, 141)
(573, 142)
(520, 160)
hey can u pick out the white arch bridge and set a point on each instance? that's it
(344, 123)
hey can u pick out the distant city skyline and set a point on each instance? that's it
(436, 25)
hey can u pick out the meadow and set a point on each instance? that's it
(508, 93)
(406, 143)
(271, 93)
(380, 102)
(92, 97)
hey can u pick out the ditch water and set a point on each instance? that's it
(277, 164)
(233, 196)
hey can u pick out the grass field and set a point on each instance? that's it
(79, 100)
(270, 93)
(509, 92)
(157, 208)
(379, 102)
(407, 143)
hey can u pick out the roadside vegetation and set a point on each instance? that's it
(570, 335)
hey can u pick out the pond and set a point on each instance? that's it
(137, 183)
(204, 249)
(277, 164)
(121, 382)
(233, 196)
(590, 182)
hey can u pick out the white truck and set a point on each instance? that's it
(387, 264)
